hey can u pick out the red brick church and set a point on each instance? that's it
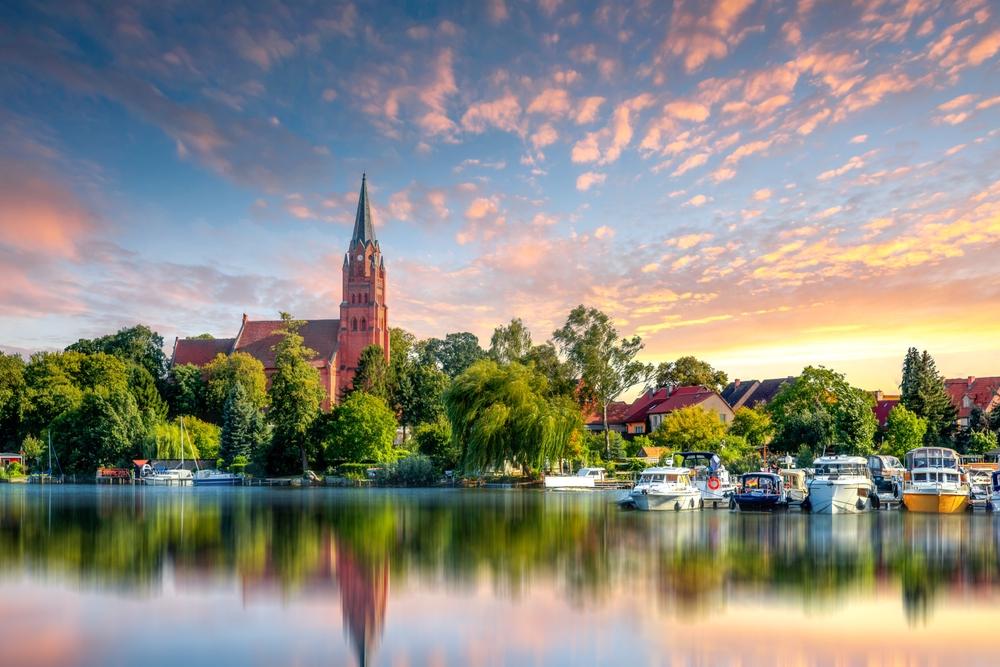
(364, 319)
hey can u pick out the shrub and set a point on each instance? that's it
(415, 470)
(239, 464)
(353, 470)
(14, 469)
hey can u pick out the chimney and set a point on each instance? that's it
(878, 394)
(736, 383)
(244, 318)
(972, 380)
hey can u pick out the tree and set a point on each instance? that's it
(454, 354)
(363, 429)
(980, 442)
(922, 391)
(753, 425)
(243, 427)
(904, 431)
(34, 450)
(737, 454)
(12, 396)
(225, 371)
(510, 343)
(690, 428)
(434, 441)
(138, 344)
(689, 371)
(604, 363)
(296, 395)
(545, 359)
(820, 409)
(185, 390)
(501, 414)
(200, 439)
(104, 429)
(152, 408)
(372, 374)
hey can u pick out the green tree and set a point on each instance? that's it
(980, 442)
(737, 454)
(904, 431)
(922, 391)
(434, 441)
(185, 390)
(223, 372)
(690, 428)
(820, 409)
(510, 343)
(373, 373)
(12, 397)
(138, 344)
(689, 371)
(502, 414)
(243, 428)
(753, 425)
(363, 429)
(152, 408)
(545, 359)
(34, 450)
(605, 363)
(454, 354)
(104, 429)
(296, 395)
(200, 439)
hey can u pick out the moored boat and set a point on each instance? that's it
(934, 483)
(761, 492)
(666, 488)
(796, 485)
(710, 477)
(842, 485)
(994, 505)
(887, 473)
(217, 478)
(584, 478)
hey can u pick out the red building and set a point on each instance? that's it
(364, 319)
(973, 392)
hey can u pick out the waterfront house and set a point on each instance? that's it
(884, 404)
(687, 397)
(751, 393)
(972, 392)
(616, 418)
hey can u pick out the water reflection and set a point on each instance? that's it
(559, 573)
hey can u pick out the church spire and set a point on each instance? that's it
(364, 230)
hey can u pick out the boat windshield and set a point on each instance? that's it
(762, 483)
(949, 477)
(934, 458)
(658, 478)
(842, 469)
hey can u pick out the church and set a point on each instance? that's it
(364, 319)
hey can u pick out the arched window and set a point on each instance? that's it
(366, 298)
(352, 298)
(354, 324)
(363, 324)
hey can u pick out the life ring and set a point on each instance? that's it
(713, 483)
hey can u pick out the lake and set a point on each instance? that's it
(103, 576)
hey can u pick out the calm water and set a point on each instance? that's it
(192, 577)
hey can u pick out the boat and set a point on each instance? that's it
(217, 478)
(980, 487)
(887, 473)
(179, 476)
(760, 492)
(666, 488)
(994, 505)
(584, 478)
(934, 484)
(796, 485)
(842, 485)
(710, 477)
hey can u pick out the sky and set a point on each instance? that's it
(763, 184)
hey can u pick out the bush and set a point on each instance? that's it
(415, 470)
(239, 464)
(434, 440)
(353, 470)
(14, 469)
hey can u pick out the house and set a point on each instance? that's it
(972, 392)
(636, 421)
(884, 403)
(616, 418)
(651, 454)
(337, 343)
(646, 412)
(686, 397)
(6, 458)
(751, 393)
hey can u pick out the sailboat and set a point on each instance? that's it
(47, 477)
(179, 476)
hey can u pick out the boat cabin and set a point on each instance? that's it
(699, 460)
(841, 466)
(932, 457)
(793, 479)
(595, 473)
(761, 482)
(665, 475)
(883, 465)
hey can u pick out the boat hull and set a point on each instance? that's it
(935, 502)
(832, 498)
(676, 502)
(174, 481)
(227, 481)
(567, 482)
(751, 503)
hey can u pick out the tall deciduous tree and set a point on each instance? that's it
(904, 431)
(545, 359)
(605, 363)
(296, 395)
(689, 428)
(688, 371)
(363, 429)
(242, 427)
(152, 408)
(103, 429)
(820, 409)
(502, 414)
(185, 391)
(510, 343)
(225, 371)
(138, 344)
(753, 425)
(453, 354)
(922, 391)
(12, 395)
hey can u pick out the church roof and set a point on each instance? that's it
(364, 229)
(258, 338)
(200, 351)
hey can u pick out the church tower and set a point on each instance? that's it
(364, 316)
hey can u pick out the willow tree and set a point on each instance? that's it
(502, 414)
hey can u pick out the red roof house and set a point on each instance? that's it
(972, 392)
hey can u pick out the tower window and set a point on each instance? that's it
(354, 324)
(363, 324)
(352, 298)
(366, 298)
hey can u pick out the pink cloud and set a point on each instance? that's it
(503, 113)
(551, 102)
(588, 179)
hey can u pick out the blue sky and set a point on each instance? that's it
(762, 184)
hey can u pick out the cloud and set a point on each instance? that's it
(762, 195)
(604, 232)
(544, 136)
(692, 162)
(985, 48)
(856, 162)
(588, 179)
(686, 110)
(503, 113)
(481, 207)
(698, 200)
(859, 138)
(497, 11)
(606, 145)
(700, 32)
(587, 110)
(551, 102)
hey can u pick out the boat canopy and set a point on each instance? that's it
(699, 459)
(932, 457)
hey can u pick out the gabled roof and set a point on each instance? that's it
(883, 408)
(640, 407)
(650, 452)
(682, 397)
(765, 392)
(364, 228)
(616, 414)
(200, 351)
(736, 392)
(258, 338)
(983, 393)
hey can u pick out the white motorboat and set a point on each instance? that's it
(980, 486)
(666, 488)
(887, 473)
(217, 478)
(584, 478)
(994, 504)
(179, 476)
(842, 485)
(710, 477)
